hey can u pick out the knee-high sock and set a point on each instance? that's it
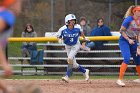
(81, 69)
(122, 70)
(138, 70)
(69, 70)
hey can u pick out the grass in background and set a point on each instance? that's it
(14, 49)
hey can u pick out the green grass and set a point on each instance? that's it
(77, 77)
(14, 49)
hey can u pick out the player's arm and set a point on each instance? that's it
(81, 32)
(125, 24)
(4, 64)
(83, 35)
(123, 33)
(3, 25)
(84, 38)
(3, 61)
(138, 48)
(59, 34)
(7, 20)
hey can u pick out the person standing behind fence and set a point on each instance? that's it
(70, 34)
(27, 47)
(99, 30)
(130, 36)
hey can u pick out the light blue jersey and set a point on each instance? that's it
(70, 37)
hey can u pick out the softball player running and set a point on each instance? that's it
(130, 36)
(70, 33)
(7, 20)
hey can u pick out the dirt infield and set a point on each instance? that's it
(79, 86)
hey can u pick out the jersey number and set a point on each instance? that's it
(71, 39)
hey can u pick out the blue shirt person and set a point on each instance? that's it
(99, 30)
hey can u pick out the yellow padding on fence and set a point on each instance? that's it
(35, 39)
(104, 38)
(53, 39)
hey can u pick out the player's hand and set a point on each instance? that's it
(138, 50)
(86, 39)
(131, 41)
(60, 41)
(7, 70)
(2, 25)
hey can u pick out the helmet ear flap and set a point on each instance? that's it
(68, 22)
(75, 21)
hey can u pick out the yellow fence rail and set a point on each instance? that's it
(54, 39)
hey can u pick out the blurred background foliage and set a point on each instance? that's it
(48, 15)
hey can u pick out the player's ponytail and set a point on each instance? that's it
(129, 11)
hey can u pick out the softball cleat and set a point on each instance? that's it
(66, 79)
(120, 83)
(137, 80)
(86, 75)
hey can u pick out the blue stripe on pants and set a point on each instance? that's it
(128, 50)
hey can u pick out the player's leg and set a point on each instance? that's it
(81, 69)
(70, 65)
(73, 53)
(6, 67)
(138, 70)
(136, 60)
(125, 50)
(7, 20)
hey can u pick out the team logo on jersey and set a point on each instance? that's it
(134, 27)
(71, 35)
